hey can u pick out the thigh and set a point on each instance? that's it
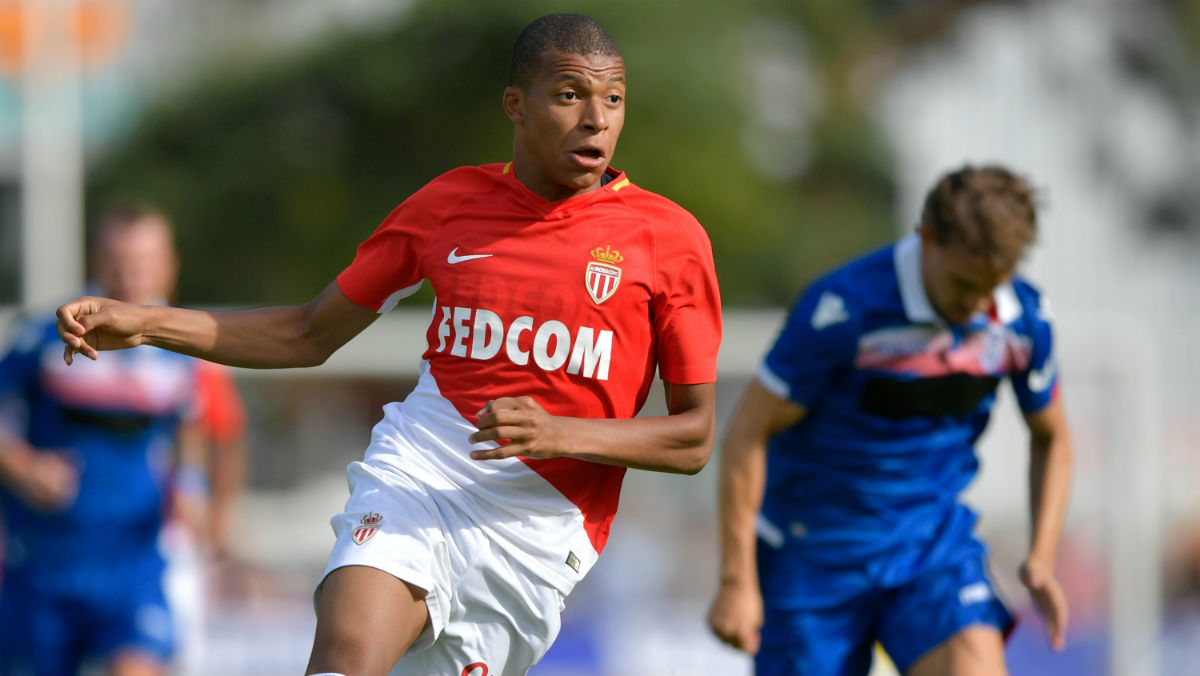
(977, 650)
(366, 619)
(953, 607)
(824, 642)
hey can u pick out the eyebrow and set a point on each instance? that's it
(576, 78)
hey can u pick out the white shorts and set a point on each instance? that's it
(489, 613)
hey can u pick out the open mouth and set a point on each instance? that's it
(589, 159)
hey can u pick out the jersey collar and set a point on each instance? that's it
(917, 308)
(564, 207)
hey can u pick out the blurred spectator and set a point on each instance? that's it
(94, 463)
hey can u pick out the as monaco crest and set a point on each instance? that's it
(603, 276)
(367, 529)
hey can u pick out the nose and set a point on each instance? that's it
(595, 117)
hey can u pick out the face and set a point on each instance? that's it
(137, 263)
(957, 282)
(567, 123)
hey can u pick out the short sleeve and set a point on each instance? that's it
(1037, 384)
(387, 266)
(686, 305)
(819, 337)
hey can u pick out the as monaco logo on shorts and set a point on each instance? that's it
(368, 528)
(603, 276)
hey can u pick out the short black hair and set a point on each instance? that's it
(567, 33)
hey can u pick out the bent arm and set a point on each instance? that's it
(759, 416)
(274, 337)
(679, 442)
(1049, 480)
(1049, 487)
(736, 614)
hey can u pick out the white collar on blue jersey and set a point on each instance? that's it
(917, 307)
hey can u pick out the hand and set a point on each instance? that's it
(192, 512)
(90, 324)
(520, 426)
(46, 481)
(1049, 598)
(736, 616)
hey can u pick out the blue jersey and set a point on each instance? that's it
(117, 419)
(863, 492)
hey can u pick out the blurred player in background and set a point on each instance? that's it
(93, 462)
(561, 287)
(841, 470)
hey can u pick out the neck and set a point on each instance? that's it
(530, 174)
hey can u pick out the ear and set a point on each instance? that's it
(925, 233)
(514, 105)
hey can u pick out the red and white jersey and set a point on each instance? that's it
(574, 303)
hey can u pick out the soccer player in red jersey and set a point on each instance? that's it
(561, 287)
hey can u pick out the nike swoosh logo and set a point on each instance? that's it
(455, 258)
(1041, 378)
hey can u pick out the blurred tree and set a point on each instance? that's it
(740, 112)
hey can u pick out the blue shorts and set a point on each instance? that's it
(909, 621)
(57, 623)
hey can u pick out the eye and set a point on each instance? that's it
(568, 96)
(614, 99)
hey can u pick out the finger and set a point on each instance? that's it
(498, 434)
(503, 403)
(90, 321)
(750, 642)
(87, 350)
(744, 640)
(67, 321)
(66, 336)
(730, 634)
(494, 418)
(505, 451)
(1054, 630)
(83, 349)
(1058, 628)
(1051, 604)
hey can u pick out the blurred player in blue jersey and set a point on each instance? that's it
(86, 459)
(840, 520)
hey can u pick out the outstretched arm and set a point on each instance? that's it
(736, 615)
(1049, 487)
(679, 442)
(275, 337)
